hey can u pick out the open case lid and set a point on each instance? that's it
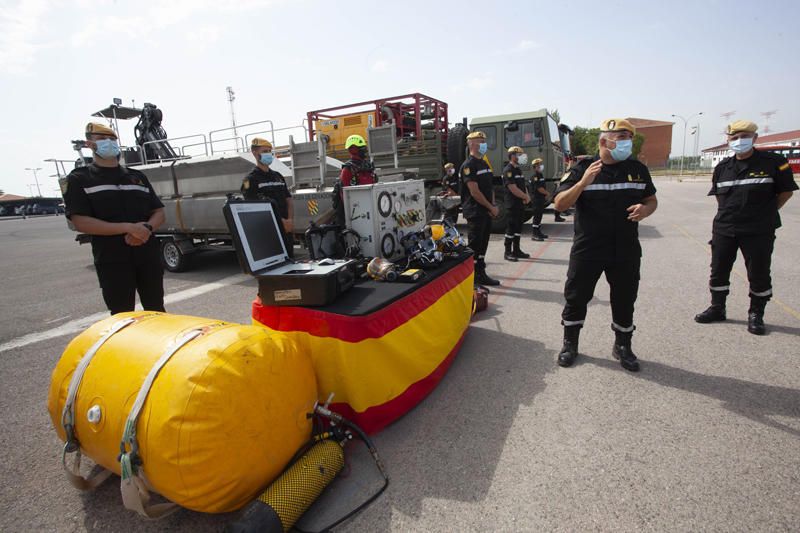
(256, 235)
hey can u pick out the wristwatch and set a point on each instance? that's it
(148, 226)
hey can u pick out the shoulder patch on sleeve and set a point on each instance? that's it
(246, 183)
(466, 171)
(783, 167)
(509, 174)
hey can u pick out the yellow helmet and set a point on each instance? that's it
(437, 231)
(516, 150)
(355, 140)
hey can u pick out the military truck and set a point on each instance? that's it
(536, 132)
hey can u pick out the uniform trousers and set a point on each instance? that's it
(479, 229)
(623, 279)
(120, 282)
(757, 252)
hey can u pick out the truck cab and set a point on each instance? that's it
(538, 134)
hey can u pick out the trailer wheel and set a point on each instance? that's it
(171, 256)
(457, 145)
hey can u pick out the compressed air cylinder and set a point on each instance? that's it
(284, 502)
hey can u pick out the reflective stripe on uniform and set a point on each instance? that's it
(614, 186)
(746, 181)
(484, 171)
(572, 322)
(621, 329)
(723, 288)
(100, 188)
(767, 292)
(270, 184)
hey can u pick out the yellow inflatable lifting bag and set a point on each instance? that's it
(223, 417)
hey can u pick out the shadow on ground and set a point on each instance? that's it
(756, 401)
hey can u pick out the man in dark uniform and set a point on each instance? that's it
(750, 188)
(611, 194)
(450, 187)
(477, 203)
(118, 207)
(263, 183)
(516, 198)
(539, 191)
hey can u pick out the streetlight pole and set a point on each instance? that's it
(36, 179)
(685, 124)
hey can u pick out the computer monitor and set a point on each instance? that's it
(256, 234)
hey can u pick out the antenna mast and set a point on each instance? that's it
(231, 98)
(767, 115)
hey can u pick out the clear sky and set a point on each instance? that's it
(62, 60)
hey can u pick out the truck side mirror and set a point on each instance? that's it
(511, 125)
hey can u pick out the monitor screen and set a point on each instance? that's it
(257, 227)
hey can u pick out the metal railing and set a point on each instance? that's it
(234, 128)
(144, 146)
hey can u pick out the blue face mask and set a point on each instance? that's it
(623, 150)
(483, 148)
(267, 159)
(741, 145)
(106, 149)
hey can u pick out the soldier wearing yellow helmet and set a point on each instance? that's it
(358, 170)
(516, 197)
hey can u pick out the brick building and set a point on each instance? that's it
(658, 141)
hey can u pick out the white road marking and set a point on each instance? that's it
(57, 319)
(79, 324)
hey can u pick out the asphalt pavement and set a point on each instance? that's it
(705, 437)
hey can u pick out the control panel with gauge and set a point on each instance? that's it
(383, 213)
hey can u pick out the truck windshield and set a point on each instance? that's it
(555, 135)
(527, 133)
(491, 136)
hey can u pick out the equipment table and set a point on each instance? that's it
(381, 347)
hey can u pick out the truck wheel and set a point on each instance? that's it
(499, 223)
(171, 256)
(457, 145)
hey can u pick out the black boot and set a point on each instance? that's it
(559, 218)
(569, 351)
(482, 278)
(537, 235)
(623, 352)
(509, 255)
(518, 253)
(716, 312)
(755, 316)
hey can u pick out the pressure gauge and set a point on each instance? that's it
(397, 206)
(384, 204)
(387, 245)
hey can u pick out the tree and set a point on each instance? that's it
(556, 115)
(585, 141)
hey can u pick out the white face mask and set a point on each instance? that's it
(451, 171)
(540, 168)
(523, 159)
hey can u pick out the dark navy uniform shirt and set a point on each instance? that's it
(513, 176)
(269, 185)
(116, 194)
(747, 193)
(602, 229)
(537, 182)
(450, 182)
(477, 170)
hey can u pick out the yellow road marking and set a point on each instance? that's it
(788, 309)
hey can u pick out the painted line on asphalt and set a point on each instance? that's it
(79, 324)
(523, 269)
(787, 308)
